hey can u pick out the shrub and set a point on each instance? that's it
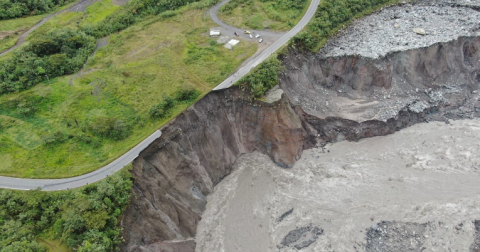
(61, 51)
(162, 109)
(262, 78)
(187, 94)
(109, 127)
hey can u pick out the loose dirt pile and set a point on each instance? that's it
(415, 190)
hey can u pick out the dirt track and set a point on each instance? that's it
(79, 6)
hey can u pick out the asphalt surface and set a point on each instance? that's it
(256, 60)
(79, 181)
(74, 182)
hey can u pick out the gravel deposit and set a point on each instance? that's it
(415, 190)
(405, 27)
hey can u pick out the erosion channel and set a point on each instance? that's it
(232, 174)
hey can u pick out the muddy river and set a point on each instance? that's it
(415, 190)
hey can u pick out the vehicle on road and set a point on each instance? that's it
(247, 32)
(260, 41)
(250, 36)
(257, 36)
(236, 34)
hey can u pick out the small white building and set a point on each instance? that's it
(230, 44)
(214, 33)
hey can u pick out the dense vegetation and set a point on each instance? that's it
(263, 78)
(331, 15)
(165, 107)
(18, 8)
(258, 14)
(85, 219)
(61, 51)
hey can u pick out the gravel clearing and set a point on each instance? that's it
(401, 28)
(415, 190)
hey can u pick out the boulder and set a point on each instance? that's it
(419, 31)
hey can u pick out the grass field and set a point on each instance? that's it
(44, 131)
(54, 245)
(278, 15)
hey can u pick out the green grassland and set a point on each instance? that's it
(59, 128)
(99, 11)
(279, 15)
(53, 245)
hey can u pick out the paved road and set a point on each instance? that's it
(74, 182)
(63, 184)
(270, 50)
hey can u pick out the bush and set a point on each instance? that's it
(162, 109)
(262, 78)
(109, 127)
(187, 95)
(61, 51)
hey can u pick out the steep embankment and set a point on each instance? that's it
(197, 149)
(328, 98)
(361, 89)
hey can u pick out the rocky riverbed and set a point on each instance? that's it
(415, 190)
(405, 27)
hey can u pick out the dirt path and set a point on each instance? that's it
(79, 6)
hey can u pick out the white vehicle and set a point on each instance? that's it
(260, 41)
(257, 36)
(250, 36)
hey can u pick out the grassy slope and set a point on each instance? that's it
(138, 67)
(257, 15)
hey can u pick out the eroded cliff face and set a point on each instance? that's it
(196, 150)
(345, 98)
(361, 89)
